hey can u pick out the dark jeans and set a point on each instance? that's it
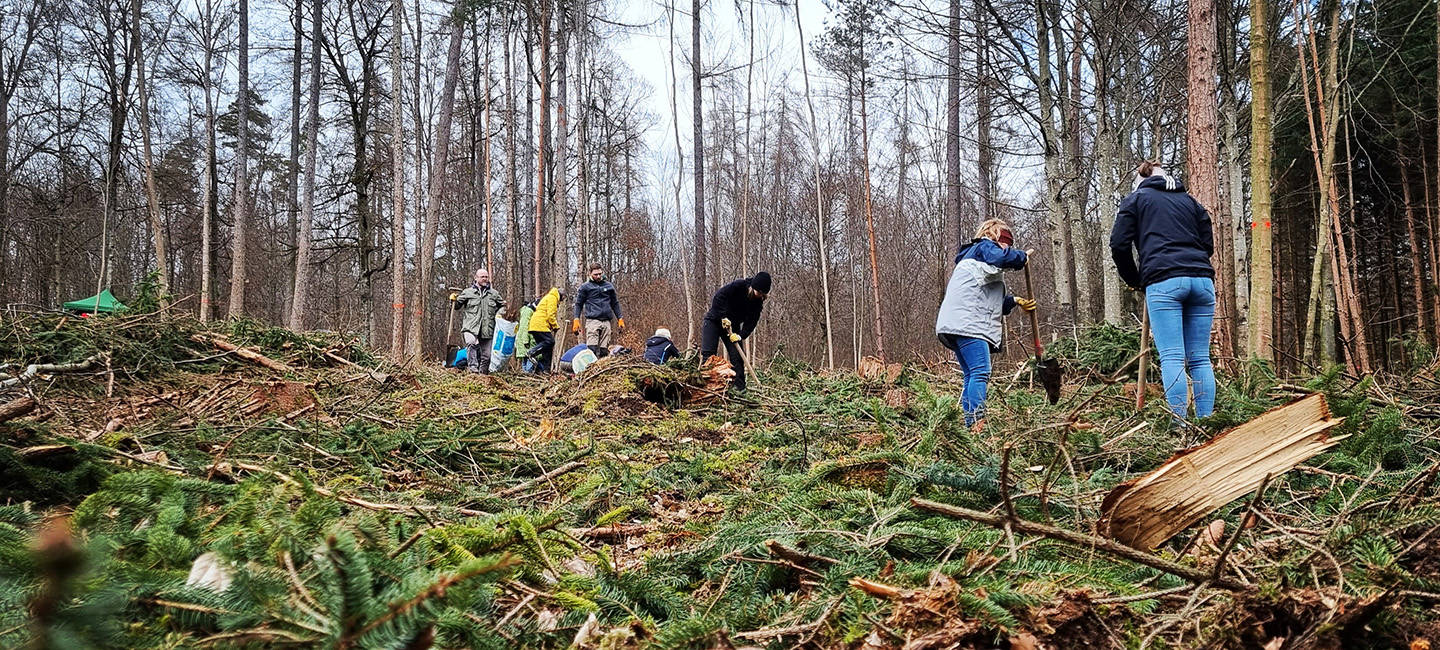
(542, 351)
(477, 353)
(711, 334)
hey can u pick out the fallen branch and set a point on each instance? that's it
(354, 501)
(615, 531)
(798, 557)
(1194, 574)
(563, 469)
(35, 369)
(244, 353)
(17, 408)
(877, 589)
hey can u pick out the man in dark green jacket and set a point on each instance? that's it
(479, 304)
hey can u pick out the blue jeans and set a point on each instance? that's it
(974, 357)
(1181, 312)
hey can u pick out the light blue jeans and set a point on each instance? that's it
(974, 357)
(1181, 312)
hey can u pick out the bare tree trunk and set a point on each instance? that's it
(9, 83)
(1417, 273)
(397, 183)
(209, 194)
(1059, 225)
(819, 200)
(305, 233)
(560, 258)
(489, 229)
(1262, 268)
(241, 210)
(952, 132)
(984, 118)
(544, 27)
(437, 184)
(679, 181)
(870, 214)
(292, 167)
(701, 269)
(152, 199)
(1203, 154)
(512, 184)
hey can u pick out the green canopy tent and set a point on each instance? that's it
(102, 303)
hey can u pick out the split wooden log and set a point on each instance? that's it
(17, 408)
(1146, 511)
(244, 353)
(1196, 575)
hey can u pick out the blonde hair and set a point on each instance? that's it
(991, 229)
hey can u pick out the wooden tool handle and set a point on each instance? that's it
(1034, 318)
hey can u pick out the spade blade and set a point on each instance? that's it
(1050, 377)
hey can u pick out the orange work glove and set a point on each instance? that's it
(622, 324)
(575, 327)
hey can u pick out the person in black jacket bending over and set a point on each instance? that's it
(597, 303)
(736, 308)
(1171, 230)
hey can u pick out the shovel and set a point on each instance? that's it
(1140, 379)
(1049, 369)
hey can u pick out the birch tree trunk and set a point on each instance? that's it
(209, 194)
(305, 232)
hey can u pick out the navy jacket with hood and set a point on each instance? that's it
(659, 349)
(1169, 228)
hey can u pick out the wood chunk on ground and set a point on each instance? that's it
(1146, 511)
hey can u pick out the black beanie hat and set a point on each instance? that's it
(761, 282)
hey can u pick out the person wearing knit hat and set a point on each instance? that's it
(659, 348)
(969, 322)
(734, 312)
(1170, 231)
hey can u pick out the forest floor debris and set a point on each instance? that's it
(347, 502)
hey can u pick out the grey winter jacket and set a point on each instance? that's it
(976, 298)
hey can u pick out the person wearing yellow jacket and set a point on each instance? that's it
(542, 328)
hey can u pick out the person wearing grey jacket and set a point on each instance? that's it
(975, 300)
(479, 303)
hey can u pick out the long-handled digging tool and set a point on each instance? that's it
(1140, 385)
(739, 350)
(1051, 375)
(450, 329)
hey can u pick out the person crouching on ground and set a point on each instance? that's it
(734, 311)
(659, 348)
(480, 304)
(1172, 232)
(975, 300)
(542, 330)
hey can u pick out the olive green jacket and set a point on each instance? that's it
(480, 306)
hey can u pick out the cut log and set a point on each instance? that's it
(244, 353)
(1146, 511)
(17, 408)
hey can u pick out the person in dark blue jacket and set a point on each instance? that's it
(659, 348)
(597, 303)
(1171, 231)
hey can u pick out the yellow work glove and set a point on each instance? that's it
(1025, 303)
(454, 296)
(575, 327)
(725, 323)
(734, 338)
(621, 323)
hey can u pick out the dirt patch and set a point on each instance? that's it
(626, 405)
